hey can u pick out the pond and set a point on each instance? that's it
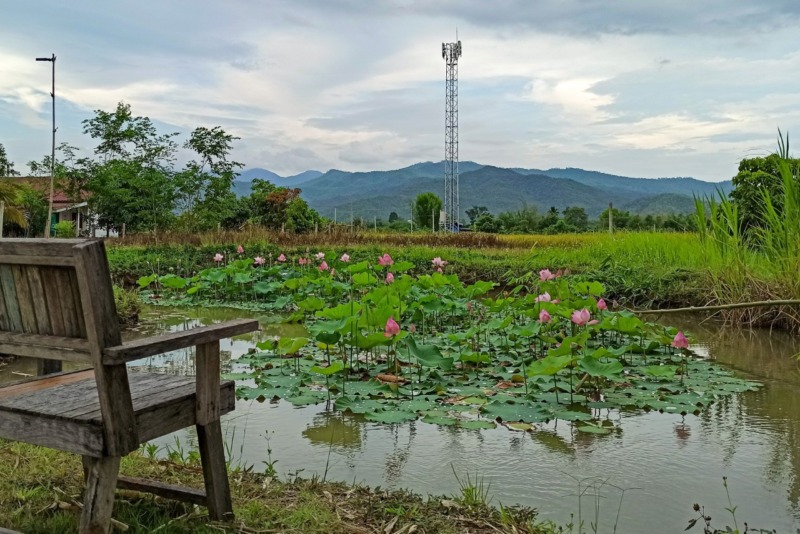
(663, 462)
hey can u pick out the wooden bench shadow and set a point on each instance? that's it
(57, 304)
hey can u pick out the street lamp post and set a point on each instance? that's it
(51, 59)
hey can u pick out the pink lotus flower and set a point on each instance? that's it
(544, 317)
(323, 266)
(333, 272)
(545, 275)
(240, 249)
(345, 257)
(412, 328)
(601, 305)
(385, 260)
(218, 257)
(680, 341)
(555, 301)
(389, 278)
(281, 258)
(258, 260)
(392, 328)
(438, 262)
(439, 270)
(320, 256)
(581, 317)
(544, 297)
(302, 261)
(559, 272)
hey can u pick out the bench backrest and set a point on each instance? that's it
(57, 303)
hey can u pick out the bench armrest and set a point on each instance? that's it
(142, 348)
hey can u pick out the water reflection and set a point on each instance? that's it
(335, 429)
(753, 438)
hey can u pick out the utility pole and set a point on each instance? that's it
(610, 218)
(433, 222)
(2, 213)
(51, 59)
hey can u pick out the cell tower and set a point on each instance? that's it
(450, 53)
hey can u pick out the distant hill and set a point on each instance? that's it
(639, 186)
(241, 186)
(378, 193)
(251, 174)
(664, 204)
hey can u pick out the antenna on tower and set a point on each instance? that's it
(450, 53)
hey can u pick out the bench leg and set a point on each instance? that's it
(215, 473)
(101, 481)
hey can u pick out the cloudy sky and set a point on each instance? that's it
(644, 88)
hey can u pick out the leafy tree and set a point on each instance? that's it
(523, 221)
(577, 218)
(426, 206)
(487, 223)
(756, 176)
(550, 218)
(281, 208)
(133, 183)
(204, 186)
(474, 212)
(11, 196)
(620, 219)
(6, 165)
(393, 217)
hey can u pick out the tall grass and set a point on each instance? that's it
(762, 263)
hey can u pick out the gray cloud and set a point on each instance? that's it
(639, 88)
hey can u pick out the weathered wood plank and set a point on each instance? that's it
(52, 300)
(142, 348)
(207, 380)
(24, 300)
(10, 297)
(38, 247)
(52, 261)
(98, 503)
(215, 474)
(89, 407)
(43, 326)
(69, 436)
(71, 311)
(169, 417)
(94, 279)
(38, 346)
(168, 491)
(42, 383)
(38, 300)
(4, 323)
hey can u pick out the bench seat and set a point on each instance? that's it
(63, 411)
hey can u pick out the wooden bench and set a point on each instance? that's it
(57, 304)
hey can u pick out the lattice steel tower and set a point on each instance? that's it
(450, 53)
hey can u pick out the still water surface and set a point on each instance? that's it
(664, 462)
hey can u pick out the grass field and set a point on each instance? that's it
(639, 269)
(41, 489)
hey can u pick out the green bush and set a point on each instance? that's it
(128, 305)
(65, 229)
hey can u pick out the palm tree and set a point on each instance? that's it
(9, 194)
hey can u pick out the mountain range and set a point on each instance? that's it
(378, 193)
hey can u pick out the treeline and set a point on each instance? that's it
(572, 219)
(131, 182)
